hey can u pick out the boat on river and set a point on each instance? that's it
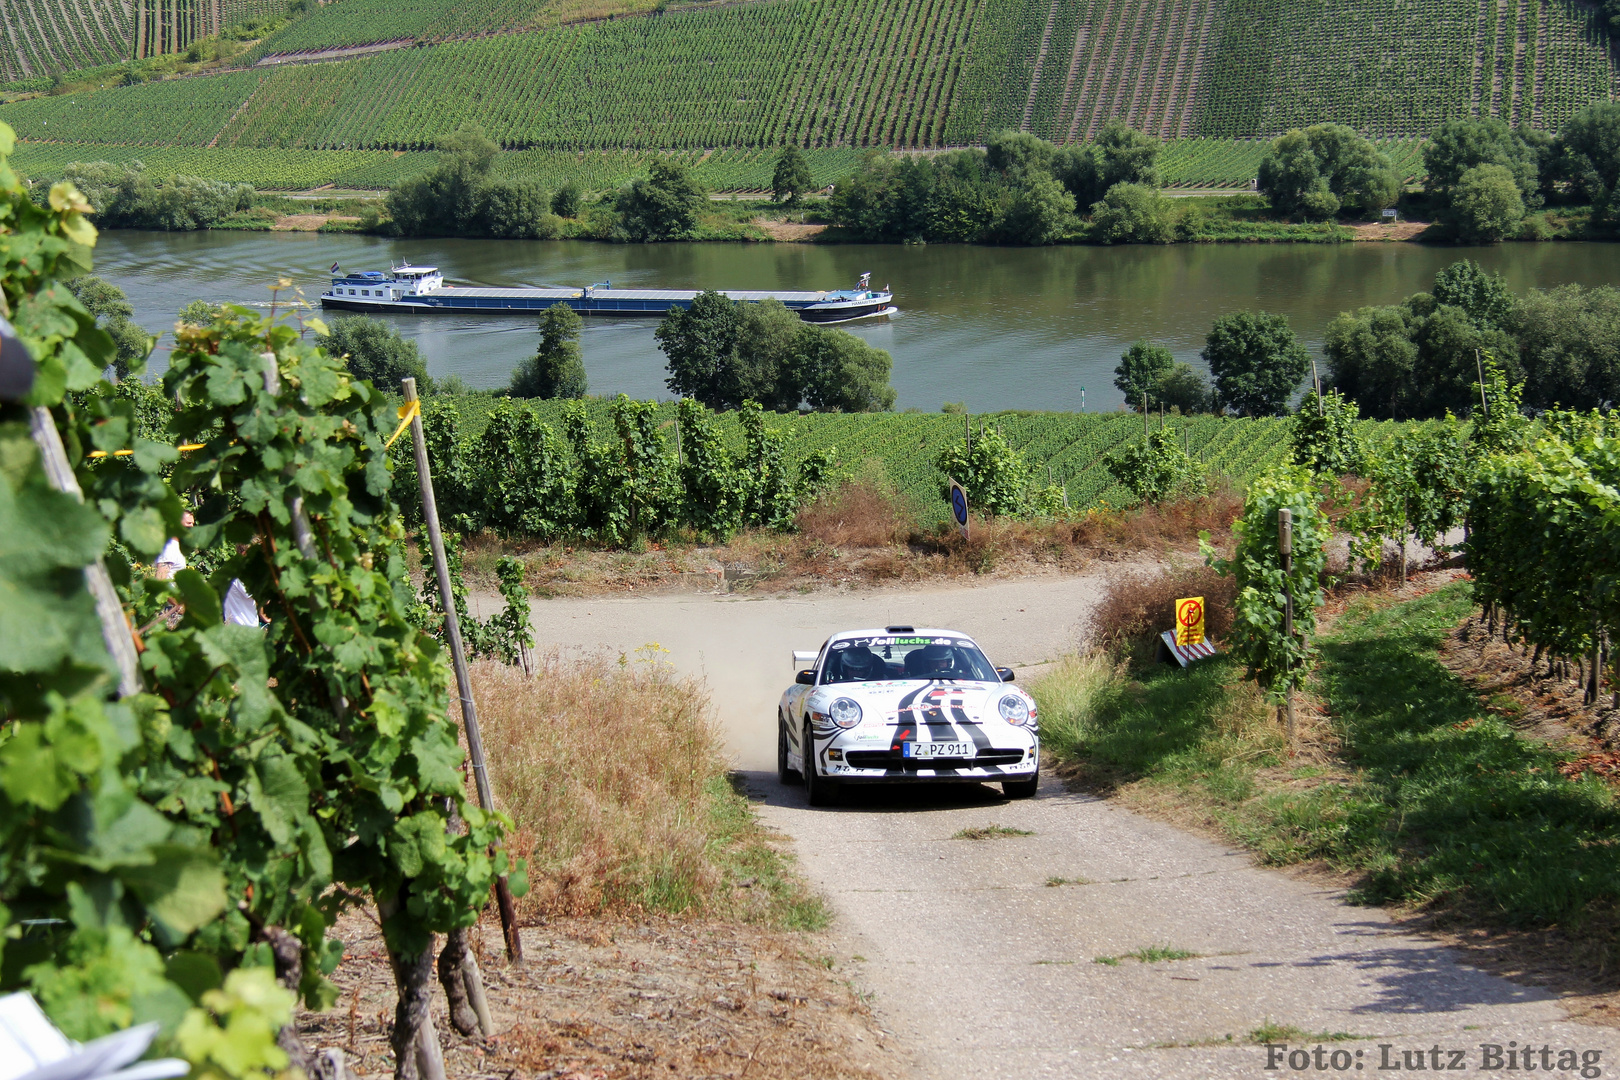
(421, 290)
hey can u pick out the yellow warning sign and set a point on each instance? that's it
(1190, 621)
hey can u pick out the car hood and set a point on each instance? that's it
(900, 700)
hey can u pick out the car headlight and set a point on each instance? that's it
(845, 712)
(1014, 709)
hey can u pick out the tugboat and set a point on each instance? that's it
(421, 290)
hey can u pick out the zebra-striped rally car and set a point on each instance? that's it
(905, 705)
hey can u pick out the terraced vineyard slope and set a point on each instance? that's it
(852, 74)
(43, 37)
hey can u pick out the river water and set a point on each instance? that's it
(999, 328)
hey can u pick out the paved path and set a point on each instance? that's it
(981, 970)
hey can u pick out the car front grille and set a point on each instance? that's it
(891, 759)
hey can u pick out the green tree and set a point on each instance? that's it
(199, 313)
(664, 206)
(792, 178)
(460, 196)
(1256, 360)
(115, 314)
(842, 373)
(1132, 214)
(1485, 297)
(1462, 143)
(1371, 357)
(699, 343)
(1316, 172)
(1588, 151)
(1127, 156)
(766, 360)
(1566, 343)
(371, 349)
(1486, 206)
(1139, 371)
(566, 200)
(1017, 154)
(556, 370)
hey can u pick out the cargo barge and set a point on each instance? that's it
(421, 290)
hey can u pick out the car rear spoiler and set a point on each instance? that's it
(803, 659)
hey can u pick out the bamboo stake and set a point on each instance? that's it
(458, 656)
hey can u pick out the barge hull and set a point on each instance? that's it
(811, 307)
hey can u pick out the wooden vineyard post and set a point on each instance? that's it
(1285, 547)
(458, 656)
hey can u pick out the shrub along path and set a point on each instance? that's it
(1012, 956)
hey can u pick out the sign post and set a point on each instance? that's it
(1285, 547)
(1190, 621)
(959, 506)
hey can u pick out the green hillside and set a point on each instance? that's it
(843, 75)
(41, 38)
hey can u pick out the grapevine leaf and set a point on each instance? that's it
(182, 887)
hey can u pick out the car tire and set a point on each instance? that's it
(820, 790)
(784, 774)
(1021, 789)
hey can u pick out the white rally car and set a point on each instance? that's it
(905, 705)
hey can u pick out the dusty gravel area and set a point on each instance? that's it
(600, 998)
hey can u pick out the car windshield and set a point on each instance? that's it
(870, 659)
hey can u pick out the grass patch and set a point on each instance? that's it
(1153, 954)
(1436, 802)
(1110, 961)
(1271, 1032)
(989, 832)
(616, 778)
(1054, 881)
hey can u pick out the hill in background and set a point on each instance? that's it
(839, 75)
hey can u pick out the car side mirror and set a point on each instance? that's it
(805, 678)
(1006, 673)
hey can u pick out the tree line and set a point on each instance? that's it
(1418, 359)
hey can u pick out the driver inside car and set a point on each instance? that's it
(859, 664)
(931, 662)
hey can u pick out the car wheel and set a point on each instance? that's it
(1021, 789)
(821, 790)
(783, 773)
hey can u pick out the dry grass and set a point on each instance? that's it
(862, 513)
(1139, 607)
(615, 776)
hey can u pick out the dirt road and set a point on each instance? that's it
(982, 969)
(743, 646)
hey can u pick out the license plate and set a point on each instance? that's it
(936, 749)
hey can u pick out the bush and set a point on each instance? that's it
(459, 197)
(1132, 214)
(1185, 389)
(128, 197)
(567, 200)
(863, 512)
(1155, 469)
